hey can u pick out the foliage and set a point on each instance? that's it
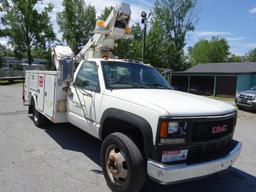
(76, 22)
(160, 48)
(252, 55)
(105, 13)
(235, 58)
(4, 52)
(25, 26)
(43, 54)
(214, 51)
(17, 67)
(2, 48)
(130, 48)
(172, 20)
(166, 38)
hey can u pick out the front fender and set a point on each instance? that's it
(139, 122)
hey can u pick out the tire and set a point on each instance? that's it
(39, 120)
(118, 150)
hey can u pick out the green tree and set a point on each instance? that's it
(25, 26)
(76, 22)
(2, 49)
(130, 48)
(159, 47)
(105, 13)
(175, 18)
(235, 58)
(40, 53)
(5, 52)
(252, 55)
(214, 51)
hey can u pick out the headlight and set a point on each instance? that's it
(173, 129)
(237, 95)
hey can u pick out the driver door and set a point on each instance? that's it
(81, 107)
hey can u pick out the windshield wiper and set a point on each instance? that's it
(159, 85)
(131, 83)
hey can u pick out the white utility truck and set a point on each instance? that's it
(147, 128)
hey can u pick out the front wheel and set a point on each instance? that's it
(122, 163)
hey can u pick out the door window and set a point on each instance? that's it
(87, 77)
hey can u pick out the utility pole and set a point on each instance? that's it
(144, 21)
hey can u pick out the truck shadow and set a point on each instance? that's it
(72, 138)
(232, 180)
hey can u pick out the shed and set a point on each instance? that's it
(218, 79)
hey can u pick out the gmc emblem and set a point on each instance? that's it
(219, 129)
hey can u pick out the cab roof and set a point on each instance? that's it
(120, 61)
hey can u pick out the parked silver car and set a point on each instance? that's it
(247, 99)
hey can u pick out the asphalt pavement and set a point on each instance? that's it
(62, 158)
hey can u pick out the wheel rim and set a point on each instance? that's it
(116, 165)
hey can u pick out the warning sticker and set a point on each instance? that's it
(178, 155)
(41, 81)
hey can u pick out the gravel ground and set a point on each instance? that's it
(64, 158)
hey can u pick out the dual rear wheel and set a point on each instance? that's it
(38, 119)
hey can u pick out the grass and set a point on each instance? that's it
(222, 98)
(6, 82)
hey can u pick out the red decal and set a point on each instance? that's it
(219, 129)
(170, 152)
(41, 81)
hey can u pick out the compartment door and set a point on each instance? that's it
(26, 89)
(49, 98)
(41, 85)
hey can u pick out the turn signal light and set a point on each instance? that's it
(128, 30)
(100, 24)
(164, 129)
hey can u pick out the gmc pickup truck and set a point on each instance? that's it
(146, 127)
(247, 99)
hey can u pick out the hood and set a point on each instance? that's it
(175, 103)
(248, 92)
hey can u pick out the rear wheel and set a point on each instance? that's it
(122, 163)
(38, 118)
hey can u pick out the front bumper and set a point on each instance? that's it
(251, 105)
(167, 174)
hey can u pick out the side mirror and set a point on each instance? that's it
(67, 68)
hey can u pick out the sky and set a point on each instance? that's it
(234, 20)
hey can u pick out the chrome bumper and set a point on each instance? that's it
(167, 174)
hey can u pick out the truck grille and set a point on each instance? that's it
(207, 139)
(210, 151)
(246, 97)
(211, 130)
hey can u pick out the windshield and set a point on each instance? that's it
(121, 75)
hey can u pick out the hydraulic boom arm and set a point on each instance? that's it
(106, 34)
